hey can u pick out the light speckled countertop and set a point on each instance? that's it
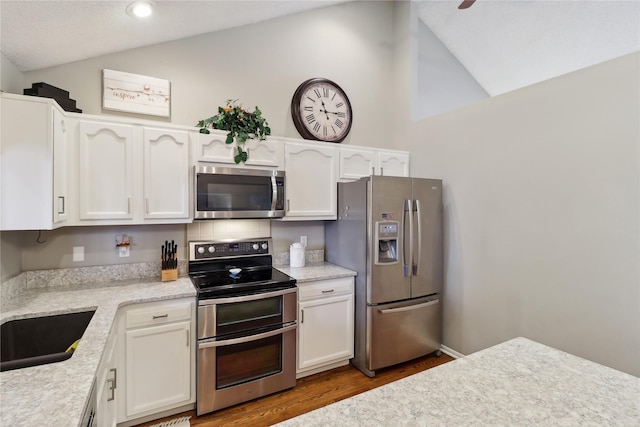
(316, 271)
(55, 394)
(516, 383)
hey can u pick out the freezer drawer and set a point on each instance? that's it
(403, 331)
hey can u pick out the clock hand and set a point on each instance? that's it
(324, 110)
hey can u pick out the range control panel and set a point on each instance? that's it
(212, 250)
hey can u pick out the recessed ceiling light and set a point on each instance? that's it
(141, 9)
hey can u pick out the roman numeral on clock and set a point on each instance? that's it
(339, 123)
(317, 92)
(316, 127)
(309, 109)
(339, 104)
(310, 118)
(325, 92)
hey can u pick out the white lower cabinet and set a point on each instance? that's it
(107, 384)
(158, 355)
(325, 325)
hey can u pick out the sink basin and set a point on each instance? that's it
(40, 340)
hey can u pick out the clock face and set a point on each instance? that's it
(321, 110)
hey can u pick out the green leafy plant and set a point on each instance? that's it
(240, 123)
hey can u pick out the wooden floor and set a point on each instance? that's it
(309, 393)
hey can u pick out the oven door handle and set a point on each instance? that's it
(246, 298)
(246, 339)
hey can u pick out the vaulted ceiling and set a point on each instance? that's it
(504, 44)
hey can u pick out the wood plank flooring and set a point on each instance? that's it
(310, 393)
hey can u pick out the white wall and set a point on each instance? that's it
(542, 208)
(260, 64)
(11, 79)
(443, 83)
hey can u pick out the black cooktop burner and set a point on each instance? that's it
(249, 280)
(211, 265)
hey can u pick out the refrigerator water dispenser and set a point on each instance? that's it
(386, 242)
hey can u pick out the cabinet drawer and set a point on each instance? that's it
(325, 288)
(159, 313)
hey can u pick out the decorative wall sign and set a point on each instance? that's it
(134, 93)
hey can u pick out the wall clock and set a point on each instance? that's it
(321, 110)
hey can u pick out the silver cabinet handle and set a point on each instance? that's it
(162, 316)
(129, 205)
(373, 170)
(409, 308)
(246, 339)
(288, 206)
(328, 291)
(188, 339)
(381, 171)
(302, 315)
(61, 199)
(114, 384)
(146, 204)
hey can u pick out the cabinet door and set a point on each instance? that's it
(325, 332)
(158, 366)
(106, 170)
(264, 153)
(393, 163)
(356, 163)
(212, 148)
(166, 177)
(60, 167)
(106, 398)
(311, 181)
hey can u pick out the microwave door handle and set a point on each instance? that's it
(274, 194)
(407, 210)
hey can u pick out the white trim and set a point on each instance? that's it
(451, 352)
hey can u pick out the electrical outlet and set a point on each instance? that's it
(303, 241)
(123, 251)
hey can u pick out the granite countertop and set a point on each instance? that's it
(55, 394)
(519, 382)
(316, 271)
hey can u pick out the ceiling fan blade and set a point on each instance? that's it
(466, 4)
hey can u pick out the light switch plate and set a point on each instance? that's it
(78, 253)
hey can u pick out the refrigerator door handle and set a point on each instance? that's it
(416, 265)
(409, 307)
(407, 267)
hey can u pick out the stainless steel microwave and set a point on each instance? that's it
(238, 193)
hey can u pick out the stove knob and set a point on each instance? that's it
(265, 246)
(200, 250)
(212, 249)
(256, 246)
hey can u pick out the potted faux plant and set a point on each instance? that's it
(240, 123)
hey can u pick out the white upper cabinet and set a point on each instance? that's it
(33, 164)
(311, 176)
(129, 173)
(106, 183)
(212, 148)
(357, 162)
(393, 163)
(166, 177)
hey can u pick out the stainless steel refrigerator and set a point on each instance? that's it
(389, 230)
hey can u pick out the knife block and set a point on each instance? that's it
(169, 275)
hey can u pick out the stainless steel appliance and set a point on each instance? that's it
(389, 229)
(238, 193)
(246, 322)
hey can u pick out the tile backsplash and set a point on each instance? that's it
(228, 229)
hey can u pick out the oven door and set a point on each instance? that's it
(240, 369)
(238, 193)
(235, 315)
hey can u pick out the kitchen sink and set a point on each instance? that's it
(40, 340)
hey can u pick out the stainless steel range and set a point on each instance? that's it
(247, 320)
